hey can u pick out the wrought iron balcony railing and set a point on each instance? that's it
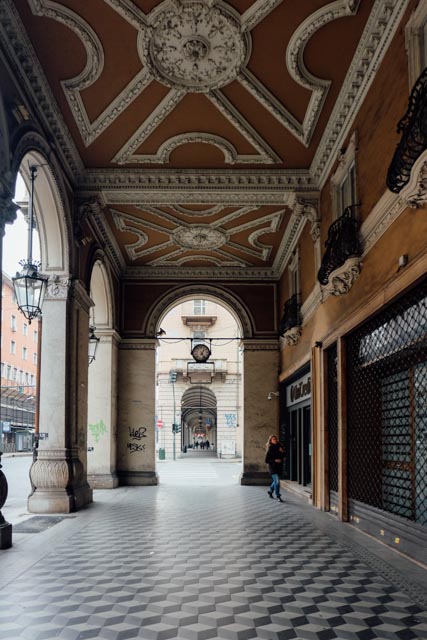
(291, 315)
(413, 127)
(342, 243)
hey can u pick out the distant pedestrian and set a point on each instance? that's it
(275, 452)
(207, 444)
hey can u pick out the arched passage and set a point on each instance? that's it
(198, 415)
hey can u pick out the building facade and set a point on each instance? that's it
(290, 188)
(18, 374)
(203, 398)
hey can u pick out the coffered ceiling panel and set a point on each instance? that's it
(198, 125)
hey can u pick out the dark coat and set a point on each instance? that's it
(275, 452)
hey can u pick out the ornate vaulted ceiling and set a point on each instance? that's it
(198, 126)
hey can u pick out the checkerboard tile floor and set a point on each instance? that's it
(197, 563)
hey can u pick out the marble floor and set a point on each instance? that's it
(199, 557)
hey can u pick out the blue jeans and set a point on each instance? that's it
(275, 485)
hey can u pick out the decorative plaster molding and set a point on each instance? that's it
(199, 237)
(167, 186)
(342, 279)
(310, 210)
(29, 74)
(382, 24)
(414, 194)
(193, 46)
(206, 274)
(259, 344)
(299, 72)
(58, 287)
(8, 208)
(257, 12)
(143, 344)
(292, 336)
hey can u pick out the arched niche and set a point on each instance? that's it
(208, 292)
(101, 293)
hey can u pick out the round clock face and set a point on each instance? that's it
(201, 352)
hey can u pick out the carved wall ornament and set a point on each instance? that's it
(342, 279)
(58, 287)
(292, 336)
(195, 46)
(8, 209)
(309, 209)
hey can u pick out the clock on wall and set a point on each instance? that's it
(201, 352)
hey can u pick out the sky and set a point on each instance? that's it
(15, 240)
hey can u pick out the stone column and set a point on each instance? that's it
(59, 472)
(102, 412)
(260, 415)
(7, 215)
(136, 413)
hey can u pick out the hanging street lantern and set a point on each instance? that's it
(29, 285)
(93, 343)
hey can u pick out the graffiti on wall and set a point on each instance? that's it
(230, 419)
(136, 436)
(97, 430)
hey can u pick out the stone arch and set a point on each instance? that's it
(49, 204)
(215, 293)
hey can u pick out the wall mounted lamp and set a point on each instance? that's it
(93, 343)
(271, 394)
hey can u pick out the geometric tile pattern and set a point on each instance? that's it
(197, 563)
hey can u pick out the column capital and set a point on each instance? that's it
(8, 210)
(58, 287)
(261, 344)
(142, 344)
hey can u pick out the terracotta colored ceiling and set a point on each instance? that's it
(187, 88)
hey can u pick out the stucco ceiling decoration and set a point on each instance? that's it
(184, 242)
(195, 47)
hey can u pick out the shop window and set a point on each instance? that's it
(416, 42)
(344, 180)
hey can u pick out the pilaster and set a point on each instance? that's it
(136, 463)
(260, 415)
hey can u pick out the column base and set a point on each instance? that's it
(5, 534)
(103, 480)
(255, 478)
(137, 478)
(59, 500)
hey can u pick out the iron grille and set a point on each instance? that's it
(387, 409)
(413, 127)
(333, 418)
(342, 243)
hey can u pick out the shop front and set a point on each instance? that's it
(296, 430)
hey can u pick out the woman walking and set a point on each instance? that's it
(274, 459)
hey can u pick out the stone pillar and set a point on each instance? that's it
(136, 463)
(7, 215)
(59, 472)
(260, 415)
(102, 413)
